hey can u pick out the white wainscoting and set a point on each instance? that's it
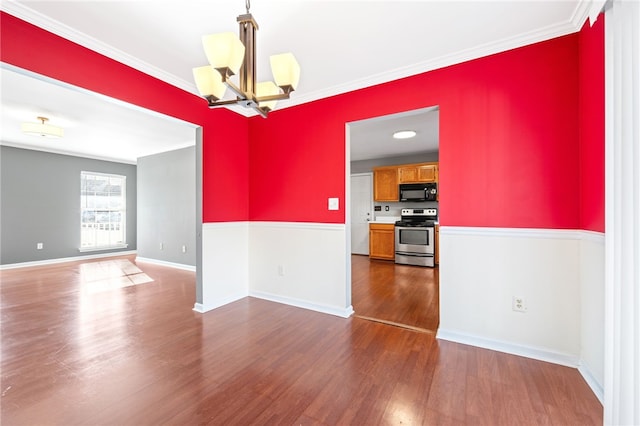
(481, 269)
(558, 273)
(300, 264)
(225, 260)
(592, 320)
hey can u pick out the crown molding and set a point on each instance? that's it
(542, 34)
(581, 13)
(574, 24)
(31, 16)
(67, 153)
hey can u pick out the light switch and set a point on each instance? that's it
(334, 203)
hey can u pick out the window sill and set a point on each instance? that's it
(115, 247)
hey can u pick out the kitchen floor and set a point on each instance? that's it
(397, 294)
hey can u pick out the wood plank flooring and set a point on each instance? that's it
(399, 294)
(82, 348)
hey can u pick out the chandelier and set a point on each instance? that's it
(227, 54)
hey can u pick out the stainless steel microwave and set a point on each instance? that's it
(418, 191)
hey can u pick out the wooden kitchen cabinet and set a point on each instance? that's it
(385, 183)
(382, 241)
(418, 173)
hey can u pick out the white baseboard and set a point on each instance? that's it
(202, 308)
(66, 259)
(540, 354)
(596, 387)
(331, 310)
(165, 263)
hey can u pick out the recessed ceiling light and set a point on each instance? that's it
(404, 134)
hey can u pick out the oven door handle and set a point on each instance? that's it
(404, 253)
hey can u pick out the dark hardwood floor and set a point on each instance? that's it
(106, 343)
(399, 294)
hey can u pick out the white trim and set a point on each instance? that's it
(581, 13)
(52, 150)
(588, 377)
(165, 263)
(541, 354)
(198, 307)
(27, 14)
(65, 260)
(592, 236)
(594, 10)
(224, 225)
(562, 234)
(487, 49)
(622, 214)
(299, 225)
(344, 313)
(202, 308)
(113, 247)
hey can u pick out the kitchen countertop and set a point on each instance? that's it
(386, 219)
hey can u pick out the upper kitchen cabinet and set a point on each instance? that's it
(387, 178)
(418, 173)
(385, 183)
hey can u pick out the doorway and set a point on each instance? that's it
(401, 295)
(361, 212)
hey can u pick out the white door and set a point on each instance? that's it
(361, 212)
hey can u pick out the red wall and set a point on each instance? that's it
(592, 98)
(513, 147)
(225, 134)
(508, 142)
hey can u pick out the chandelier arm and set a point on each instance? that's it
(235, 89)
(213, 104)
(279, 97)
(262, 111)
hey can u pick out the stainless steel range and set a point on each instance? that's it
(415, 237)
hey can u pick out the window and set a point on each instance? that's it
(103, 206)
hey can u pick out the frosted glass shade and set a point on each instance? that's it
(209, 82)
(285, 69)
(267, 88)
(224, 50)
(41, 129)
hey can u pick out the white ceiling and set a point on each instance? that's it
(340, 45)
(94, 126)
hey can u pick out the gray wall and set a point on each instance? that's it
(365, 166)
(40, 203)
(167, 206)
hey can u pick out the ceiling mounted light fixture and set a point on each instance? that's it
(42, 129)
(228, 54)
(404, 134)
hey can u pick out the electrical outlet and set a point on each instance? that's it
(281, 270)
(39, 246)
(161, 246)
(518, 304)
(184, 249)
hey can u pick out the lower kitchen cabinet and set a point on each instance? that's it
(382, 241)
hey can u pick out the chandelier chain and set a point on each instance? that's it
(248, 5)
